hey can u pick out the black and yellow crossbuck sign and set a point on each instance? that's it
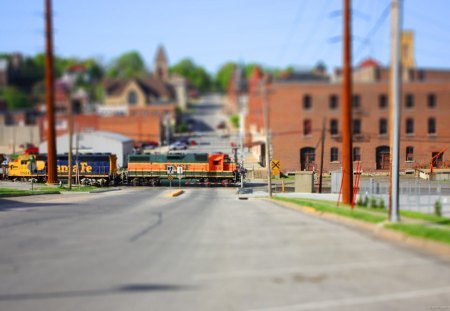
(276, 166)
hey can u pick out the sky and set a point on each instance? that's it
(211, 32)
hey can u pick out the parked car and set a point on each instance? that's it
(222, 125)
(178, 145)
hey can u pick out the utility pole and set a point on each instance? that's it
(267, 132)
(69, 164)
(321, 154)
(49, 96)
(242, 112)
(241, 139)
(395, 92)
(347, 162)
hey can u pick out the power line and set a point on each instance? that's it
(298, 16)
(381, 19)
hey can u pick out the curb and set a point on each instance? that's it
(377, 230)
(105, 190)
(26, 194)
(176, 193)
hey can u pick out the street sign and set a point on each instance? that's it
(276, 166)
(179, 170)
(170, 178)
(170, 169)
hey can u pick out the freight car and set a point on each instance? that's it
(152, 169)
(91, 169)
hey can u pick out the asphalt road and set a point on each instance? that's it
(207, 116)
(140, 250)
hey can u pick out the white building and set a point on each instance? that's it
(94, 142)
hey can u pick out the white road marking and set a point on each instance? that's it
(308, 268)
(330, 304)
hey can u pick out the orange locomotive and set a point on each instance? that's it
(152, 169)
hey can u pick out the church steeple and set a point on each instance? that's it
(161, 65)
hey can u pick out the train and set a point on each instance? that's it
(89, 169)
(200, 168)
(142, 169)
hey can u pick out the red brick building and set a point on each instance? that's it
(141, 128)
(300, 109)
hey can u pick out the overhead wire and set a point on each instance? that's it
(379, 22)
(290, 34)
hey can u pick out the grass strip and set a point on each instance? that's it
(329, 207)
(10, 192)
(414, 215)
(74, 189)
(422, 231)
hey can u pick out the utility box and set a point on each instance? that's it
(336, 179)
(304, 181)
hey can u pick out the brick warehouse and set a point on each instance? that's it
(298, 108)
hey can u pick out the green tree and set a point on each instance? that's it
(15, 99)
(248, 69)
(224, 75)
(196, 75)
(94, 69)
(127, 65)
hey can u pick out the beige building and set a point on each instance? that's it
(137, 92)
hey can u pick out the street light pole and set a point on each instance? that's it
(395, 109)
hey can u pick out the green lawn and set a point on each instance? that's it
(423, 231)
(330, 207)
(434, 227)
(10, 192)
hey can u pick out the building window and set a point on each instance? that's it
(333, 102)
(421, 75)
(383, 127)
(334, 154)
(409, 153)
(356, 101)
(334, 130)
(132, 98)
(431, 126)
(383, 101)
(356, 154)
(409, 126)
(307, 102)
(356, 126)
(409, 101)
(307, 127)
(431, 100)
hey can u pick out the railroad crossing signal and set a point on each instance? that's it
(276, 166)
(170, 169)
(179, 170)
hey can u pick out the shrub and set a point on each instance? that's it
(438, 208)
(234, 120)
(366, 201)
(373, 202)
(381, 203)
(360, 202)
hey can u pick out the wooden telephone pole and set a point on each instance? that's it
(347, 162)
(49, 96)
(265, 100)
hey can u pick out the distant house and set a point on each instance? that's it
(138, 92)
